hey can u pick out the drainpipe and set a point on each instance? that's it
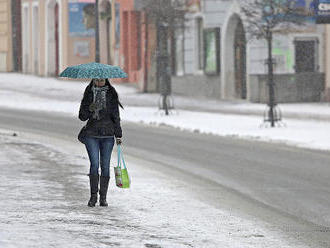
(327, 63)
(145, 82)
(97, 33)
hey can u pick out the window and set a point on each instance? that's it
(212, 51)
(306, 55)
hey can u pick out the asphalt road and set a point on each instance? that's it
(287, 187)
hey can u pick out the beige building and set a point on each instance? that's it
(6, 57)
(59, 33)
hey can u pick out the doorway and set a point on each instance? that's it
(233, 59)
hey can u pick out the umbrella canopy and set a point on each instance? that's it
(93, 70)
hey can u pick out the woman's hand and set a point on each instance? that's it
(92, 107)
(118, 141)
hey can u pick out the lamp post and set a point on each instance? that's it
(164, 71)
(269, 12)
(16, 34)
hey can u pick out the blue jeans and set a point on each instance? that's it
(96, 148)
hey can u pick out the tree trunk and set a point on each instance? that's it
(271, 78)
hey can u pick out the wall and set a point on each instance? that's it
(69, 43)
(151, 70)
(302, 87)
(73, 59)
(194, 82)
(225, 14)
(196, 85)
(326, 94)
(290, 86)
(29, 44)
(26, 36)
(5, 36)
(136, 45)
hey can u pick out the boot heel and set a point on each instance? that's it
(104, 184)
(92, 201)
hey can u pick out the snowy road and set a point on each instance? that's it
(272, 189)
(43, 204)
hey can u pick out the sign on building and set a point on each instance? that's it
(322, 11)
(81, 18)
(81, 48)
(193, 5)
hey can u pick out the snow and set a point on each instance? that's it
(309, 128)
(44, 192)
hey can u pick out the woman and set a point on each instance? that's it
(100, 107)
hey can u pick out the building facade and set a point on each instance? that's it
(212, 56)
(135, 43)
(57, 34)
(5, 36)
(60, 33)
(10, 35)
(216, 58)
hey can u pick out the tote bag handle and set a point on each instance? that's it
(120, 156)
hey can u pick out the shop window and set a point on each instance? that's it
(211, 51)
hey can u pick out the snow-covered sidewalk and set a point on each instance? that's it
(44, 192)
(214, 117)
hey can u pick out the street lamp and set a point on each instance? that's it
(164, 70)
(272, 115)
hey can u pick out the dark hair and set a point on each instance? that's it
(89, 9)
(113, 90)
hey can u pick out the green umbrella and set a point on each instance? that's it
(93, 70)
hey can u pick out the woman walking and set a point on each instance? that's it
(100, 107)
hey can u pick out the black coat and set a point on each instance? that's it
(109, 122)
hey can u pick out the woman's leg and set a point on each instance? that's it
(106, 146)
(92, 146)
(93, 150)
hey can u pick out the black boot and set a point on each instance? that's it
(94, 185)
(104, 183)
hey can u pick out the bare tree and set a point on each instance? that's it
(263, 18)
(171, 12)
(167, 16)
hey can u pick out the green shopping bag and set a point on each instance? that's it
(121, 174)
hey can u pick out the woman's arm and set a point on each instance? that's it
(116, 119)
(84, 113)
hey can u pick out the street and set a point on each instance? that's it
(287, 188)
(220, 110)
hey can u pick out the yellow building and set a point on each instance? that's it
(60, 33)
(6, 51)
